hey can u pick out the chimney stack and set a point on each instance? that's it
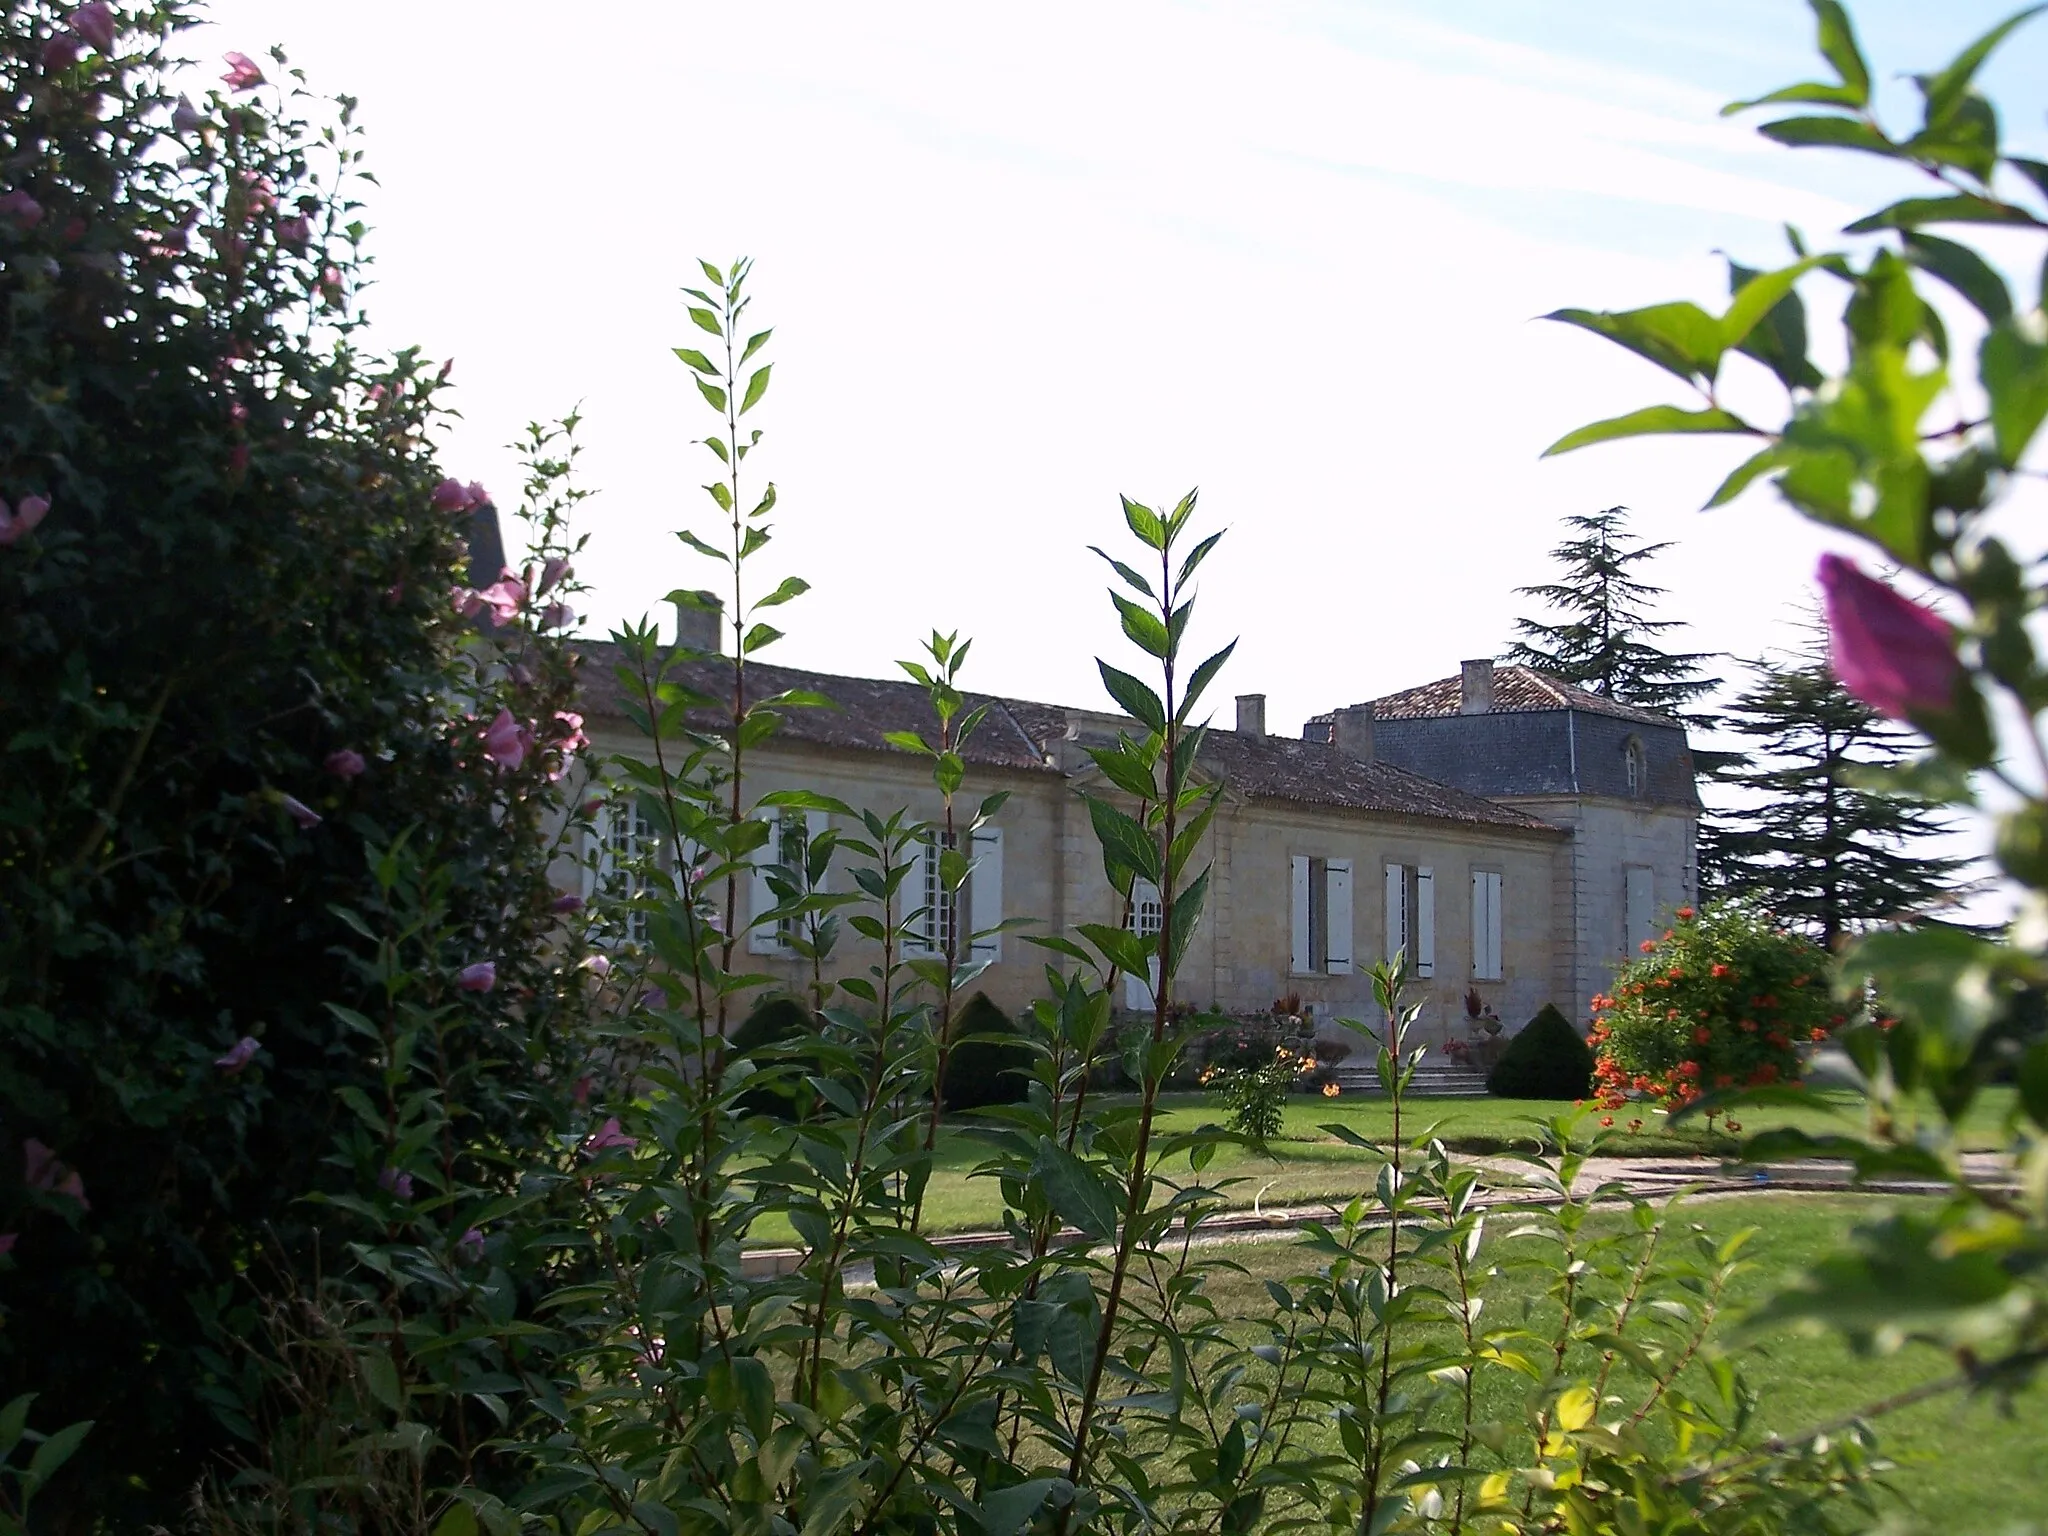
(1251, 714)
(700, 621)
(1475, 688)
(1351, 732)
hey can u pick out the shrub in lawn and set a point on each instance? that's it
(1723, 1000)
(1546, 1060)
(989, 1062)
(767, 1036)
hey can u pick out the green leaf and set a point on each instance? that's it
(2014, 369)
(712, 393)
(1760, 296)
(55, 1451)
(1125, 847)
(1123, 949)
(1837, 40)
(1074, 1190)
(1144, 522)
(1006, 1512)
(380, 1375)
(1196, 556)
(792, 587)
(707, 321)
(757, 386)
(1203, 676)
(909, 741)
(13, 1420)
(1962, 208)
(1129, 575)
(1680, 338)
(2033, 1083)
(1963, 270)
(759, 637)
(1945, 93)
(1136, 700)
(755, 343)
(1144, 628)
(1186, 918)
(1738, 481)
(1652, 420)
(459, 1520)
(1128, 767)
(1834, 132)
(701, 547)
(697, 360)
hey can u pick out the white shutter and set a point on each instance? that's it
(1425, 921)
(1640, 913)
(1486, 964)
(1337, 917)
(1397, 911)
(1299, 911)
(985, 892)
(763, 938)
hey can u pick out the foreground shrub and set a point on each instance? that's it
(1548, 1059)
(990, 1062)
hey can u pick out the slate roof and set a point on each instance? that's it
(1515, 690)
(868, 708)
(1021, 734)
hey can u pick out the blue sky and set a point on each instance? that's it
(1020, 260)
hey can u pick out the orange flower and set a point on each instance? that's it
(1647, 945)
(1702, 1035)
(1607, 1119)
(1685, 914)
(1816, 1033)
(1720, 970)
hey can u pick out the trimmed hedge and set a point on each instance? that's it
(1547, 1060)
(767, 1034)
(990, 1070)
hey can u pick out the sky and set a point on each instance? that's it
(1021, 259)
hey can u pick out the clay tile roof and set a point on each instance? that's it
(867, 708)
(1515, 690)
(1313, 773)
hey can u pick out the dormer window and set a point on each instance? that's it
(1636, 768)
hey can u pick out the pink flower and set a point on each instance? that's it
(262, 195)
(60, 53)
(299, 811)
(239, 1055)
(609, 1135)
(376, 390)
(480, 977)
(599, 966)
(504, 597)
(557, 616)
(42, 1170)
(22, 520)
(186, 118)
(565, 904)
(556, 568)
(478, 496)
(467, 603)
(506, 740)
(345, 763)
(294, 231)
(451, 496)
(397, 1183)
(238, 412)
(1889, 651)
(581, 1092)
(242, 75)
(7, 1241)
(94, 23)
(20, 207)
(572, 730)
(470, 1246)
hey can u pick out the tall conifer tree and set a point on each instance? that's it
(1817, 851)
(1604, 637)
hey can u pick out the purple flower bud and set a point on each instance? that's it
(43, 1170)
(20, 207)
(239, 1055)
(60, 53)
(609, 1135)
(478, 496)
(242, 75)
(557, 616)
(94, 23)
(22, 520)
(599, 966)
(299, 811)
(1889, 651)
(554, 570)
(470, 1246)
(564, 904)
(506, 740)
(480, 977)
(451, 496)
(294, 231)
(395, 1183)
(186, 118)
(345, 763)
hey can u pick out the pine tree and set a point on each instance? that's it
(1604, 638)
(1815, 850)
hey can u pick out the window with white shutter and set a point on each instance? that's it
(985, 893)
(1321, 916)
(1147, 917)
(1299, 915)
(1425, 921)
(1486, 957)
(932, 909)
(1337, 917)
(1396, 908)
(622, 838)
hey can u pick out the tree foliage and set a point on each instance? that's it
(1810, 840)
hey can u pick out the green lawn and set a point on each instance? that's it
(1965, 1468)
(1305, 1163)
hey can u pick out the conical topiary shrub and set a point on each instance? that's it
(1547, 1060)
(989, 1063)
(770, 1035)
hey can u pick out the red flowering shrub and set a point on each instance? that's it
(1721, 1001)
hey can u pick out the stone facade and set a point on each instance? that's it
(1477, 841)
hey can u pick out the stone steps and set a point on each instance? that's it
(1436, 1077)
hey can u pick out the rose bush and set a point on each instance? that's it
(1723, 1000)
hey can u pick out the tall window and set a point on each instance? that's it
(1486, 884)
(1636, 768)
(932, 910)
(1320, 917)
(1146, 918)
(782, 873)
(967, 921)
(1410, 904)
(620, 871)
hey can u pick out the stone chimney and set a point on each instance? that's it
(1251, 714)
(1351, 732)
(1475, 688)
(701, 628)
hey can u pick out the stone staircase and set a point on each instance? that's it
(1438, 1077)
